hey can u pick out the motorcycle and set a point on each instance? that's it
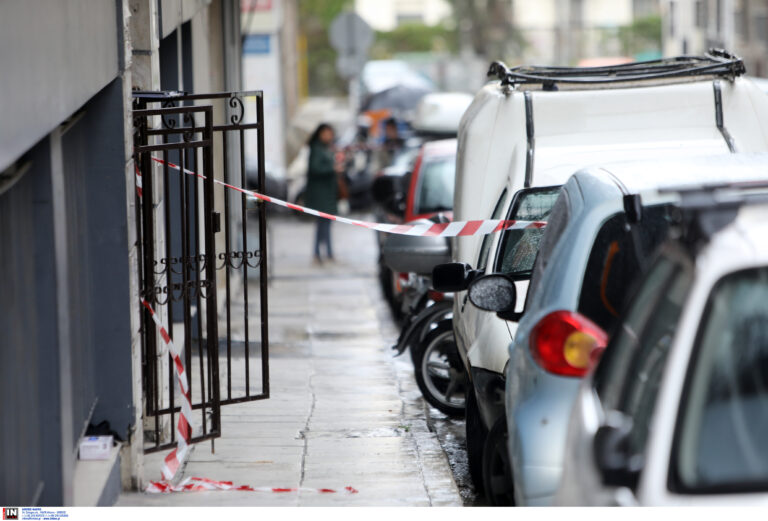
(427, 326)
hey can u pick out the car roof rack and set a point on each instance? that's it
(716, 62)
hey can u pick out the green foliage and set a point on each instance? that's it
(641, 36)
(414, 37)
(315, 17)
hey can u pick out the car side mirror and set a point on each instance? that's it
(452, 276)
(618, 467)
(494, 292)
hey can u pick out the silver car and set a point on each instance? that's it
(599, 236)
(676, 412)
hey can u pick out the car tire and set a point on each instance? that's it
(497, 471)
(439, 372)
(476, 433)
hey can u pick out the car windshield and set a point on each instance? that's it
(405, 158)
(435, 192)
(519, 247)
(724, 417)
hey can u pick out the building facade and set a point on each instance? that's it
(563, 32)
(271, 62)
(740, 26)
(69, 313)
(385, 16)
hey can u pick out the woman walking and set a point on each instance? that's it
(322, 185)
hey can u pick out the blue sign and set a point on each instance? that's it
(256, 44)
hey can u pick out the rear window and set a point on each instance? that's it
(616, 260)
(721, 440)
(436, 180)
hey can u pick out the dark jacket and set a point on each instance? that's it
(322, 186)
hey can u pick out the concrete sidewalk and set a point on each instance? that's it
(343, 412)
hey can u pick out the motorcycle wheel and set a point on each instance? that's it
(439, 372)
(424, 330)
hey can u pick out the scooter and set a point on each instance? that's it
(428, 335)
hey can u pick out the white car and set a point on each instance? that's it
(525, 137)
(676, 411)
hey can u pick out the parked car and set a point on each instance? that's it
(676, 412)
(600, 235)
(516, 148)
(421, 194)
(439, 114)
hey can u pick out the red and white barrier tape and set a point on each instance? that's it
(176, 457)
(200, 484)
(453, 229)
(138, 181)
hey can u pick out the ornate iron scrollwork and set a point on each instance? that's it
(207, 284)
(255, 254)
(189, 122)
(169, 121)
(228, 259)
(151, 295)
(178, 291)
(190, 261)
(236, 103)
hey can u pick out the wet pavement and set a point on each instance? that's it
(343, 412)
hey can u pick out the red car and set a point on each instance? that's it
(431, 185)
(429, 191)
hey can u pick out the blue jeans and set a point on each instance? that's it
(323, 236)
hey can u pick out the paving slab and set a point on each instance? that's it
(340, 414)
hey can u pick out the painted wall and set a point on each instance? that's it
(54, 56)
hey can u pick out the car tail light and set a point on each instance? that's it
(567, 343)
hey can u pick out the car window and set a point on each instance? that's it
(556, 224)
(482, 260)
(648, 358)
(518, 248)
(615, 362)
(436, 180)
(615, 262)
(721, 442)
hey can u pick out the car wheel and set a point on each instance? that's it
(497, 471)
(476, 434)
(439, 372)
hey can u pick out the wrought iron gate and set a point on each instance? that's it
(193, 269)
